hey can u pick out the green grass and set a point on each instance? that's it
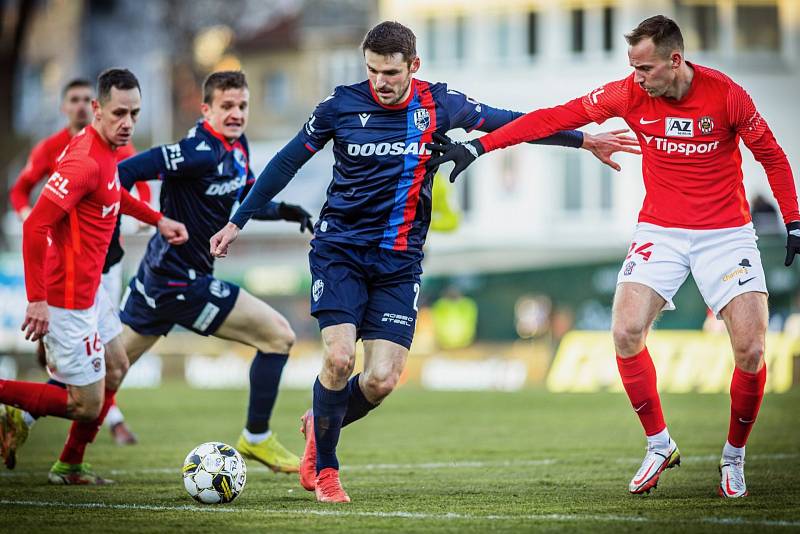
(496, 461)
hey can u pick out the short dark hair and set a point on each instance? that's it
(390, 37)
(75, 82)
(664, 32)
(122, 79)
(223, 80)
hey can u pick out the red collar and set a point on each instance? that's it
(401, 105)
(228, 146)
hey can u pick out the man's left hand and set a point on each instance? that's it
(792, 241)
(290, 212)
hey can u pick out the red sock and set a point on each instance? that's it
(639, 378)
(81, 433)
(35, 398)
(747, 390)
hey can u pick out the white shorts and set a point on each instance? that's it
(108, 323)
(112, 282)
(75, 353)
(724, 263)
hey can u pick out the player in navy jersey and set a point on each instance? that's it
(367, 248)
(203, 176)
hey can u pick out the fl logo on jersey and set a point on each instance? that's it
(422, 119)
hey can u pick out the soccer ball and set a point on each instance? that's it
(214, 473)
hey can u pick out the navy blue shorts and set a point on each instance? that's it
(373, 288)
(153, 304)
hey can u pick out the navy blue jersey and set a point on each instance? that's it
(380, 194)
(203, 175)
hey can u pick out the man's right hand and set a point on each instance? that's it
(221, 240)
(792, 241)
(37, 320)
(23, 213)
(175, 232)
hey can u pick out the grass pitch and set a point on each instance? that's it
(425, 461)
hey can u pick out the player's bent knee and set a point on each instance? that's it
(85, 410)
(379, 386)
(749, 356)
(340, 359)
(628, 337)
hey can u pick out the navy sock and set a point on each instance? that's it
(52, 382)
(265, 375)
(329, 409)
(357, 404)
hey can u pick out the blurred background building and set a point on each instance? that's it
(538, 233)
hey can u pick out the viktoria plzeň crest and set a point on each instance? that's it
(422, 119)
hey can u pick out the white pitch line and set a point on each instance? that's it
(450, 516)
(459, 464)
(357, 467)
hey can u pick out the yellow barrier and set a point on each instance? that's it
(686, 360)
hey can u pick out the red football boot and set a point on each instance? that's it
(308, 464)
(328, 488)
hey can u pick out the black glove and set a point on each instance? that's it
(439, 138)
(290, 212)
(460, 153)
(792, 241)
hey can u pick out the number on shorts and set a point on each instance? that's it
(95, 344)
(416, 296)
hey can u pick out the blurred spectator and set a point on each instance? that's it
(765, 217)
(532, 314)
(455, 319)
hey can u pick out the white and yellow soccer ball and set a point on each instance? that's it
(214, 473)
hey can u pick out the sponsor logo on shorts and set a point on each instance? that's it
(745, 263)
(629, 268)
(317, 289)
(96, 365)
(205, 318)
(219, 289)
(735, 274)
(397, 318)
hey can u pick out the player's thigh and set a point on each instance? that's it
(254, 322)
(135, 344)
(635, 307)
(726, 263)
(657, 258)
(116, 362)
(746, 317)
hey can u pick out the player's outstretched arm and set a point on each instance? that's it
(35, 169)
(174, 231)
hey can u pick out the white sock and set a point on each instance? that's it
(255, 439)
(660, 440)
(114, 416)
(28, 418)
(729, 451)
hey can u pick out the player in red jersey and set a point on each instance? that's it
(695, 218)
(77, 212)
(76, 105)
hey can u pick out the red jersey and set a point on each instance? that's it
(85, 194)
(691, 163)
(42, 162)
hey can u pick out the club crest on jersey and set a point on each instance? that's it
(422, 119)
(705, 124)
(317, 289)
(679, 127)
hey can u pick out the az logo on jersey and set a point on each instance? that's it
(677, 127)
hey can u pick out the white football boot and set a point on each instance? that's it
(656, 460)
(731, 481)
